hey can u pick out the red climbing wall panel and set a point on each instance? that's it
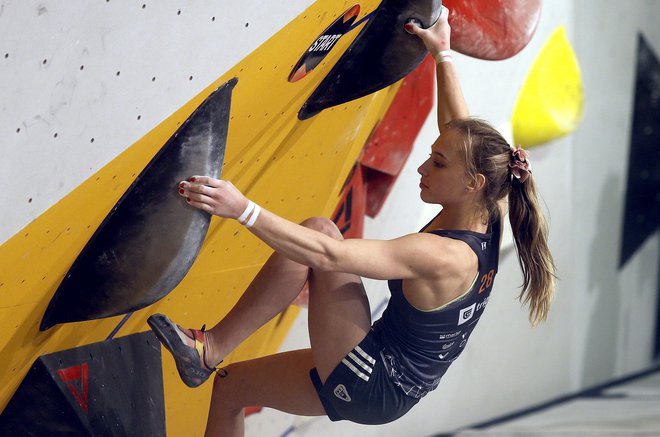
(390, 144)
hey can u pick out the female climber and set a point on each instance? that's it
(440, 279)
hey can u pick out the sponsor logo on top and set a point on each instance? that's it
(483, 303)
(466, 314)
(464, 337)
(449, 335)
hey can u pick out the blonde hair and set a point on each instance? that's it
(488, 153)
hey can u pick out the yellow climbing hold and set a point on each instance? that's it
(550, 102)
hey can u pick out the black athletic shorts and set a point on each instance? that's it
(359, 389)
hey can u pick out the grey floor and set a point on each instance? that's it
(631, 408)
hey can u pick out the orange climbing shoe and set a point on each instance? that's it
(190, 361)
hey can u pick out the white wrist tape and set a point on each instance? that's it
(443, 56)
(248, 209)
(253, 218)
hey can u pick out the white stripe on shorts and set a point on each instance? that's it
(359, 362)
(365, 355)
(355, 369)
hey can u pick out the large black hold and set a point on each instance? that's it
(641, 215)
(110, 388)
(148, 242)
(382, 54)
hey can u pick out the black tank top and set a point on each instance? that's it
(420, 345)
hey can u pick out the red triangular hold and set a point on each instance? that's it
(70, 376)
(299, 73)
(252, 410)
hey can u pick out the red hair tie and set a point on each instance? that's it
(519, 164)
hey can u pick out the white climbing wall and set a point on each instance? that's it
(80, 81)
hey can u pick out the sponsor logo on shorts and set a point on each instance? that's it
(341, 393)
(466, 314)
